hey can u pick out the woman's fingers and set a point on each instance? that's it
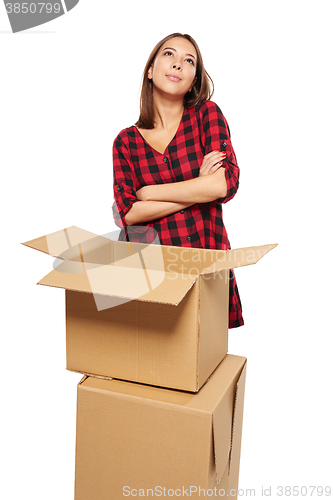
(215, 151)
(213, 156)
(215, 167)
(212, 159)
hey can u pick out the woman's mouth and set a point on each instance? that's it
(174, 78)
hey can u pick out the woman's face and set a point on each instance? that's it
(174, 67)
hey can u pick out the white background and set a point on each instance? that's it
(67, 88)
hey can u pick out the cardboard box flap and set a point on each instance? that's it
(224, 413)
(76, 244)
(58, 243)
(130, 283)
(222, 432)
(238, 257)
(237, 424)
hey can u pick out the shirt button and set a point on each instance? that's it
(224, 144)
(182, 211)
(189, 238)
(165, 159)
(118, 188)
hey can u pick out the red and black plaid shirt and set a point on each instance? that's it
(136, 164)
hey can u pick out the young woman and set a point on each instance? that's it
(176, 166)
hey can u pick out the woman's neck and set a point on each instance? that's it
(167, 112)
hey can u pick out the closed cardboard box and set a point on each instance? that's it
(152, 314)
(138, 440)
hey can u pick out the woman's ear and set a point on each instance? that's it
(150, 73)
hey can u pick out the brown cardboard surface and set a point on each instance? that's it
(130, 283)
(156, 346)
(238, 257)
(153, 314)
(213, 318)
(237, 431)
(60, 241)
(142, 436)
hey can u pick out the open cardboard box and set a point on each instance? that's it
(139, 440)
(152, 314)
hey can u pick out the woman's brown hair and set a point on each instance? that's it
(201, 90)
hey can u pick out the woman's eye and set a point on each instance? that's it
(167, 52)
(190, 61)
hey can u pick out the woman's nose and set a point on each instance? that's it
(176, 65)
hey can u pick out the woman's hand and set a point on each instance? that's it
(211, 162)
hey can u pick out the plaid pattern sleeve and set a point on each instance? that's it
(216, 135)
(136, 164)
(123, 188)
